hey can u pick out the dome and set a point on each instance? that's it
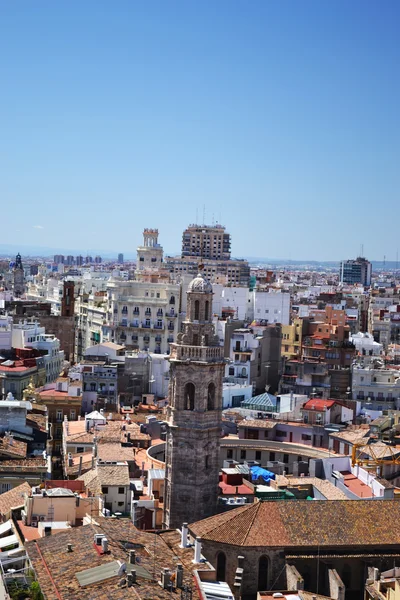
(200, 284)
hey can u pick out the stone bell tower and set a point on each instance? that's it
(194, 413)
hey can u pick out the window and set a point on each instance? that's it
(280, 433)
(72, 415)
(243, 454)
(189, 395)
(104, 490)
(80, 449)
(258, 454)
(286, 458)
(231, 371)
(221, 566)
(207, 304)
(272, 456)
(196, 310)
(266, 434)
(121, 490)
(263, 573)
(306, 437)
(120, 503)
(59, 415)
(211, 396)
(229, 453)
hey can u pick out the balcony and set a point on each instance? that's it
(171, 314)
(197, 353)
(242, 349)
(171, 327)
(158, 325)
(170, 340)
(146, 325)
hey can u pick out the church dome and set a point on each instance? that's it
(200, 284)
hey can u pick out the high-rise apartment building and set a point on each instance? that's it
(121, 258)
(59, 259)
(97, 260)
(212, 247)
(356, 271)
(206, 242)
(79, 261)
(70, 260)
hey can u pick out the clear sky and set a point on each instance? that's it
(282, 118)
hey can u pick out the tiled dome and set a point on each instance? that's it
(200, 284)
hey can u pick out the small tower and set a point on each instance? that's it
(19, 279)
(150, 255)
(194, 413)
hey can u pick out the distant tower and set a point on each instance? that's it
(150, 254)
(194, 413)
(121, 258)
(19, 279)
(68, 299)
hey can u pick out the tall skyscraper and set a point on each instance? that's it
(356, 271)
(120, 258)
(194, 413)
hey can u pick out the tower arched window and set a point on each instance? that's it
(189, 394)
(211, 396)
(206, 310)
(221, 566)
(263, 573)
(196, 310)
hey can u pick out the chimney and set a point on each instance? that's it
(179, 576)
(104, 545)
(70, 460)
(133, 511)
(131, 578)
(166, 579)
(197, 550)
(128, 437)
(69, 547)
(132, 557)
(87, 425)
(80, 466)
(184, 535)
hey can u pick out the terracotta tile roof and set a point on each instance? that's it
(319, 404)
(105, 475)
(49, 554)
(13, 498)
(259, 423)
(302, 523)
(330, 491)
(11, 448)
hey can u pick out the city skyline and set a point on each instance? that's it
(280, 121)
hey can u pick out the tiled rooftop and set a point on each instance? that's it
(326, 488)
(302, 523)
(13, 498)
(155, 552)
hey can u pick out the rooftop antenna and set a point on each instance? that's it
(384, 261)
(204, 214)
(213, 221)
(197, 216)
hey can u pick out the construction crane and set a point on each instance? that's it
(378, 455)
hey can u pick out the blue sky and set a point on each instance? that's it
(282, 118)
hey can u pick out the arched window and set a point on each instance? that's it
(221, 566)
(196, 310)
(244, 372)
(211, 396)
(263, 573)
(189, 394)
(206, 310)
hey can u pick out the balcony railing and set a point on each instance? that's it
(197, 353)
